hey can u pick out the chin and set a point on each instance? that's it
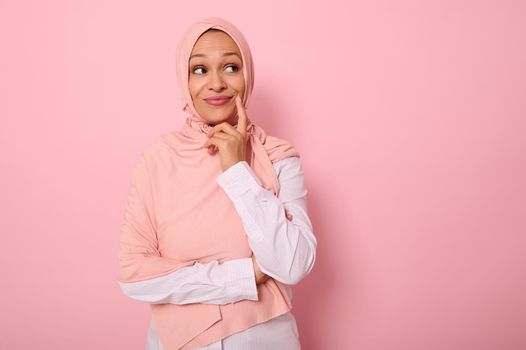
(216, 117)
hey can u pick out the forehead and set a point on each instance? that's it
(215, 43)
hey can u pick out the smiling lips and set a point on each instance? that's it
(218, 100)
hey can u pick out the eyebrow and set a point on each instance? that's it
(225, 54)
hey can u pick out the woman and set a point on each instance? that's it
(216, 228)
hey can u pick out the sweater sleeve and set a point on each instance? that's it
(146, 276)
(278, 228)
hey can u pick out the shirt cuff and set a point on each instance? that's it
(241, 279)
(238, 179)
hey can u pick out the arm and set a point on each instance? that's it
(210, 283)
(285, 250)
(146, 276)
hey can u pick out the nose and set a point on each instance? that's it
(217, 83)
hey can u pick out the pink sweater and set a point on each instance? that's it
(153, 239)
(233, 280)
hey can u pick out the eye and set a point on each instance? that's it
(194, 70)
(234, 67)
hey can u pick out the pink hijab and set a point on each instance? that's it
(266, 149)
(177, 215)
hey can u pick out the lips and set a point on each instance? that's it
(218, 100)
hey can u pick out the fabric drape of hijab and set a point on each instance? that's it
(177, 215)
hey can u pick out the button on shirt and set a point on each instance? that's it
(280, 236)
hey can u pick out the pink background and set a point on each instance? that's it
(410, 119)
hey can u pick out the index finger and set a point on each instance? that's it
(242, 116)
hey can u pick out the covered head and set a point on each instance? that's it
(184, 50)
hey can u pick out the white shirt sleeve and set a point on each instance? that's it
(210, 283)
(285, 249)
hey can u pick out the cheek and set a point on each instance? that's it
(193, 87)
(238, 84)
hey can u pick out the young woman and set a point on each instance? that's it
(216, 228)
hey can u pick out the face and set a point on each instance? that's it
(215, 68)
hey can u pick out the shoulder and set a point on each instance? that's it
(154, 155)
(158, 149)
(288, 168)
(272, 142)
(279, 148)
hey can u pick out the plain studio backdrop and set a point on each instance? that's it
(410, 120)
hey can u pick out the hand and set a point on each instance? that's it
(230, 141)
(288, 215)
(261, 277)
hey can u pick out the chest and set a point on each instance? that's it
(195, 218)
